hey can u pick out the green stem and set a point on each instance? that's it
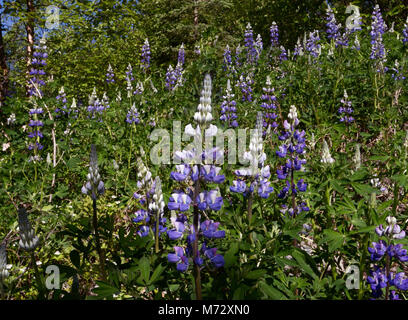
(97, 240)
(37, 275)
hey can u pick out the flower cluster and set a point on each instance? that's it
(129, 79)
(238, 51)
(145, 61)
(299, 49)
(274, 32)
(133, 115)
(174, 77)
(269, 105)
(227, 65)
(258, 47)
(255, 177)
(34, 132)
(312, 45)
(28, 240)
(38, 63)
(245, 83)
(378, 28)
(94, 184)
(196, 169)
(110, 76)
(405, 33)
(228, 108)
(152, 211)
(381, 278)
(397, 72)
(95, 107)
(291, 150)
(250, 44)
(326, 156)
(346, 110)
(333, 29)
(283, 56)
(62, 98)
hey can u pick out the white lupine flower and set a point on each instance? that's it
(292, 113)
(11, 119)
(326, 156)
(357, 157)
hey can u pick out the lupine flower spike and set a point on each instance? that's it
(28, 240)
(384, 253)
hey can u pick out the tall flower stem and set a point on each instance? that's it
(387, 270)
(197, 273)
(156, 238)
(37, 274)
(97, 240)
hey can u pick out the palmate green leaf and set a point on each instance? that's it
(333, 238)
(364, 189)
(105, 290)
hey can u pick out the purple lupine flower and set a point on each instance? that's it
(179, 201)
(195, 171)
(250, 44)
(245, 83)
(378, 250)
(179, 227)
(94, 184)
(145, 61)
(210, 229)
(333, 29)
(274, 32)
(35, 134)
(183, 171)
(227, 61)
(37, 72)
(214, 201)
(257, 174)
(216, 259)
(397, 72)
(346, 110)
(110, 76)
(405, 33)
(133, 115)
(211, 174)
(380, 278)
(180, 258)
(283, 55)
(62, 98)
(294, 146)
(378, 28)
(141, 215)
(171, 79)
(377, 280)
(238, 186)
(312, 45)
(95, 107)
(269, 106)
(228, 108)
(299, 50)
(181, 55)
